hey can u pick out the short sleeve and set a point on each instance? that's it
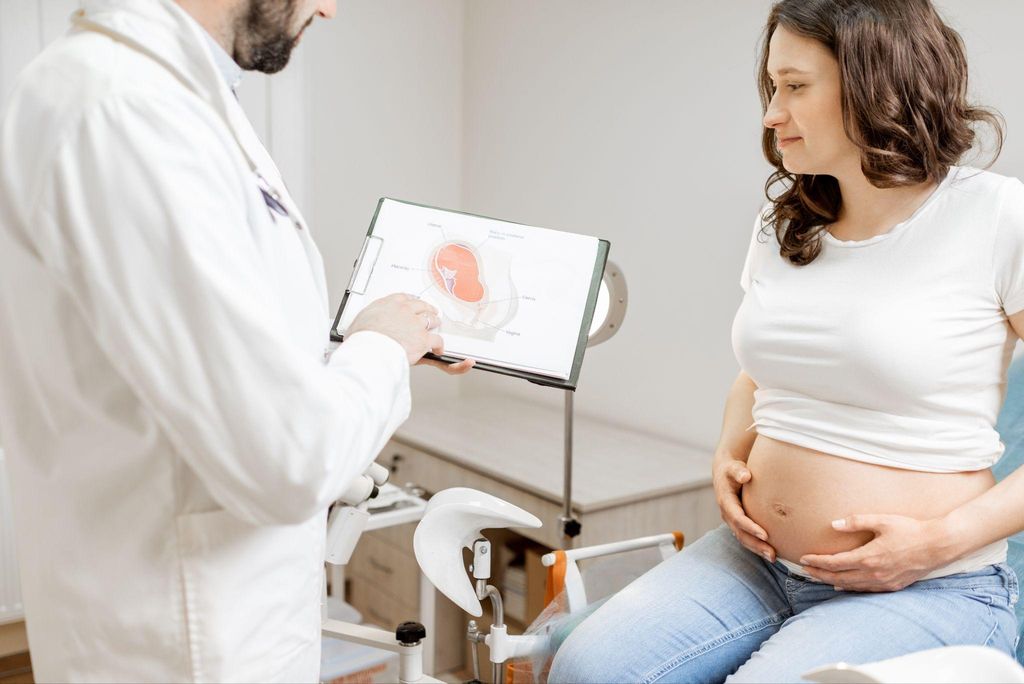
(749, 264)
(1008, 257)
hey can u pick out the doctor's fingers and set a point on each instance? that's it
(435, 344)
(418, 306)
(431, 321)
(459, 368)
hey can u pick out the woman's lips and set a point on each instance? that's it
(785, 141)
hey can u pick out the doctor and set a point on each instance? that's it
(174, 422)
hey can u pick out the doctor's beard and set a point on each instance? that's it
(263, 35)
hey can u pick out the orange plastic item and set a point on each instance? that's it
(556, 578)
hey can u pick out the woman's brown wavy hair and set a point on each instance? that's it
(903, 75)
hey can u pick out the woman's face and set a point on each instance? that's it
(806, 108)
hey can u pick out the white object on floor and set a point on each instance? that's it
(948, 665)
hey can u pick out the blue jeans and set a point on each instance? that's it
(716, 612)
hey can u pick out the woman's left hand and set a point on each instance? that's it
(903, 551)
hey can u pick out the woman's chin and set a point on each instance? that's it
(794, 166)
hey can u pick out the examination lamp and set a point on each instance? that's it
(609, 312)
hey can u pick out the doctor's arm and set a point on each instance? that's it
(906, 549)
(144, 219)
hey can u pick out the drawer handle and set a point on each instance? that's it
(380, 566)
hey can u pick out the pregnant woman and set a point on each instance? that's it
(884, 293)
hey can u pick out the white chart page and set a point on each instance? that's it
(509, 294)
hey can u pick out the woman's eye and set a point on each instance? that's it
(794, 86)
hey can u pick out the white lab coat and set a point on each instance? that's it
(174, 426)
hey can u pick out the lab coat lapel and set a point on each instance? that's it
(263, 164)
(169, 35)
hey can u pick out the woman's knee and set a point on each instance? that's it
(606, 646)
(579, 661)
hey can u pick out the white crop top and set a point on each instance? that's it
(891, 350)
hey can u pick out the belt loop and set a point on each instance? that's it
(1010, 582)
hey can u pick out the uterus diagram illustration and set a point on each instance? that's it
(472, 288)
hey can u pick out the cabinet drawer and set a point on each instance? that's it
(379, 607)
(435, 474)
(378, 604)
(398, 536)
(387, 567)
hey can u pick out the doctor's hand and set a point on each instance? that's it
(728, 477)
(903, 551)
(411, 322)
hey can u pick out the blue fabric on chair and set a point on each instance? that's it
(1011, 431)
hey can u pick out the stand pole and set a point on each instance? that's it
(570, 526)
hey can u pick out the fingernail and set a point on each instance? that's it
(767, 556)
(838, 588)
(838, 524)
(803, 561)
(762, 536)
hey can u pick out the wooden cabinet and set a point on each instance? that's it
(382, 581)
(626, 485)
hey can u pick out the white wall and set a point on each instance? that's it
(635, 121)
(385, 101)
(639, 122)
(26, 26)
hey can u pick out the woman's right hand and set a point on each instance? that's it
(728, 477)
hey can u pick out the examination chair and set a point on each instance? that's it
(1011, 431)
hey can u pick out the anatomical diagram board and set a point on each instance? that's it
(518, 299)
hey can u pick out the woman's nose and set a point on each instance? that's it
(775, 115)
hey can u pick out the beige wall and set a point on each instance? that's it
(639, 122)
(635, 121)
(385, 106)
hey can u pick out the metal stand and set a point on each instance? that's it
(502, 646)
(569, 525)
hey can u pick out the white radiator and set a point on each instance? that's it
(10, 586)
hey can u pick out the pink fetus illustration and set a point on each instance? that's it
(456, 270)
(463, 278)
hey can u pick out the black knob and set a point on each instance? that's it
(410, 633)
(572, 528)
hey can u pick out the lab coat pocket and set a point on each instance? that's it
(252, 598)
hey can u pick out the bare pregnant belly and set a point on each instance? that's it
(795, 493)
